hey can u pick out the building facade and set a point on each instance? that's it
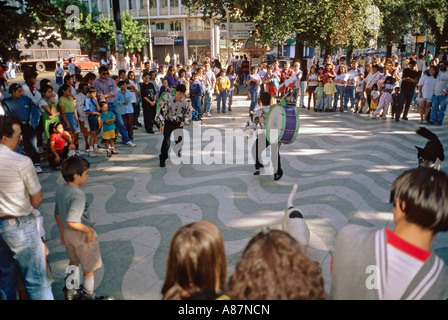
(173, 30)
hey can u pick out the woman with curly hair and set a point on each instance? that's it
(197, 265)
(274, 266)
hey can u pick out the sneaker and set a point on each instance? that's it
(96, 150)
(223, 111)
(131, 144)
(79, 153)
(278, 175)
(230, 109)
(38, 168)
(208, 114)
(71, 153)
(72, 294)
(109, 153)
(115, 151)
(219, 111)
(92, 154)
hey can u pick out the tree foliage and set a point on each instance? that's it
(134, 33)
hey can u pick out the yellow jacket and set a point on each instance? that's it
(222, 84)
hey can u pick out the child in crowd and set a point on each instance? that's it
(49, 108)
(221, 86)
(374, 98)
(319, 92)
(60, 145)
(329, 91)
(395, 96)
(92, 110)
(68, 113)
(164, 87)
(80, 98)
(196, 93)
(359, 95)
(124, 102)
(108, 120)
(77, 228)
(59, 74)
(386, 97)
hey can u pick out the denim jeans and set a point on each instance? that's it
(119, 122)
(349, 95)
(196, 104)
(437, 114)
(328, 101)
(339, 95)
(253, 100)
(230, 96)
(222, 97)
(21, 251)
(208, 98)
(303, 85)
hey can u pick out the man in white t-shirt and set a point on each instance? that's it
(209, 81)
(20, 243)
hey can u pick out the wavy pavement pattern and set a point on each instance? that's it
(344, 165)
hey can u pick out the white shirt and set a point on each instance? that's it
(428, 84)
(18, 180)
(342, 76)
(442, 83)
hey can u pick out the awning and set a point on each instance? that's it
(199, 42)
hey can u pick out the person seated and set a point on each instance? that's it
(60, 146)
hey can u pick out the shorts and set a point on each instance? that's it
(93, 122)
(80, 252)
(310, 89)
(424, 99)
(109, 135)
(359, 95)
(71, 117)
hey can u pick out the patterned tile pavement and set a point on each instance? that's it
(344, 164)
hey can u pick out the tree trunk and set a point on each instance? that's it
(349, 57)
(389, 50)
(298, 56)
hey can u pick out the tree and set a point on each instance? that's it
(23, 20)
(134, 33)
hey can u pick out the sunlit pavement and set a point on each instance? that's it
(344, 164)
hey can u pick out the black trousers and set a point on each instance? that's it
(275, 153)
(170, 126)
(149, 115)
(30, 143)
(404, 100)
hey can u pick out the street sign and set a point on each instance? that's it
(235, 35)
(238, 26)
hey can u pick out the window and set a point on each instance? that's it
(132, 4)
(174, 3)
(198, 25)
(160, 26)
(176, 26)
(163, 3)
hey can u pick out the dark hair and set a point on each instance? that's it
(102, 69)
(14, 87)
(265, 98)
(81, 85)
(74, 165)
(6, 125)
(422, 194)
(145, 73)
(121, 71)
(88, 76)
(230, 68)
(54, 125)
(436, 69)
(181, 88)
(182, 71)
(121, 82)
(131, 72)
(43, 82)
(44, 88)
(62, 88)
(67, 77)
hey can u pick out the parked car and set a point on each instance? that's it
(82, 61)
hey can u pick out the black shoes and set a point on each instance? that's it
(278, 174)
(162, 162)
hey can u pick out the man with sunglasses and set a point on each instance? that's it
(440, 97)
(106, 89)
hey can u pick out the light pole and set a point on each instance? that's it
(173, 35)
(228, 35)
(149, 30)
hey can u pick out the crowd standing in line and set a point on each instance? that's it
(107, 108)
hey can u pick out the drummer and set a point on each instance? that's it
(259, 118)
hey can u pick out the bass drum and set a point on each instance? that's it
(284, 123)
